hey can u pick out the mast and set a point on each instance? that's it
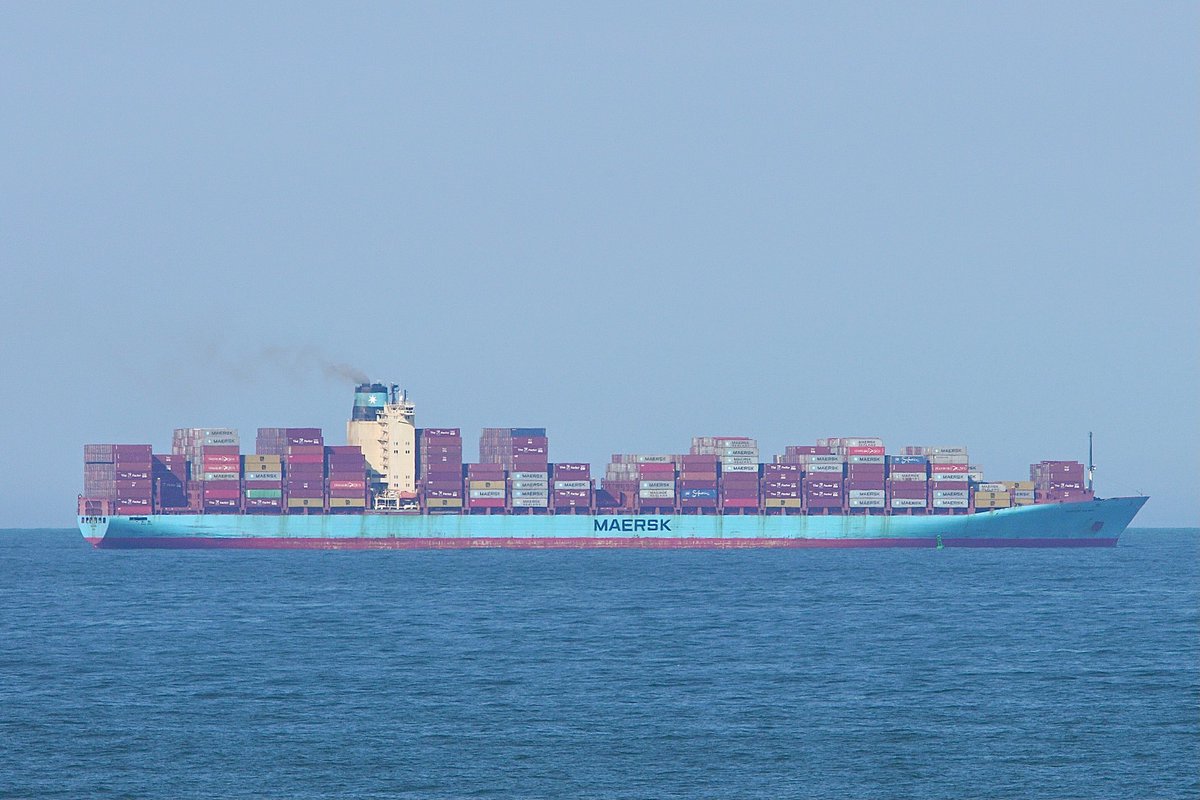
(1091, 467)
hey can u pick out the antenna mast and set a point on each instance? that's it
(1091, 466)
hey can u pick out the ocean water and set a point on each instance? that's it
(591, 674)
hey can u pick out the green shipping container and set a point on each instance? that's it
(264, 493)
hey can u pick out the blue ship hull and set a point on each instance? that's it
(1093, 523)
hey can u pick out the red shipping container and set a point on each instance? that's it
(347, 484)
(221, 494)
(864, 451)
(948, 468)
(303, 458)
(301, 493)
(220, 450)
(347, 492)
(224, 469)
(262, 485)
(656, 468)
(908, 467)
(485, 502)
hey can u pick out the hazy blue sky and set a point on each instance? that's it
(940, 223)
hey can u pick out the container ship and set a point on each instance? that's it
(394, 485)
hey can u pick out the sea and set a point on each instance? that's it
(955, 673)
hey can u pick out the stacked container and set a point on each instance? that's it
(524, 452)
(1023, 492)
(698, 484)
(486, 487)
(1059, 482)
(991, 496)
(215, 465)
(738, 469)
(303, 457)
(440, 468)
(120, 474)
(656, 476)
(865, 485)
(346, 478)
(781, 486)
(907, 487)
(572, 487)
(170, 475)
(621, 480)
(262, 482)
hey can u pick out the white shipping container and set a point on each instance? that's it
(529, 484)
(264, 476)
(643, 485)
(529, 476)
(528, 502)
(867, 502)
(656, 494)
(829, 458)
(655, 459)
(739, 467)
(975, 476)
(528, 493)
(739, 460)
(740, 451)
(486, 494)
(963, 459)
(948, 477)
(992, 487)
(866, 494)
(210, 477)
(1023, 494)
(949, 503)
(862, 441)
(865, 459)
(572, 485)
(908, 502)
(947, 451)
(950, 494)
(824, 468)
(908, 477)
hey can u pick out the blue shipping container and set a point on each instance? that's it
(697, 494)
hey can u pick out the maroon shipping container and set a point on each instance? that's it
(572, 471)
(304, 458)
(348, 493)
(823, 502)
(697, 484)
(442, 493)
(344, 450)
(740, 502)
(656, 468)
(305, 471)
(706, 463)
(305, 493)
(262, 485)
(853, 485)
(808, 450)
(781, 493)
(220, 450)
(698, 502)
(262, 503)
(907, 491)
(298, 484)
(739, 493)
(218, 503)
(136, 475)
(221, 494)
(360, 485)
(571, 494)
(947, 485)
(781, 469)
(485, 502)
(908, 467)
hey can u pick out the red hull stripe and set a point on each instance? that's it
(563, 543)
